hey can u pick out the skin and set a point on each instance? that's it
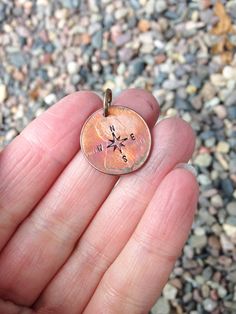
(75, 240)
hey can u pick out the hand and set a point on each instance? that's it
(71, 239)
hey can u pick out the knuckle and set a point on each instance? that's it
(93, 256)
(152, 245)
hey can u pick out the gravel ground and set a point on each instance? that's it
(182, 51)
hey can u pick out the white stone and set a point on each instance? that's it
(223, 147)
(3, 92)
(161, 307)
(72, 67)
(203, 160)
(121, 13)
(50, 99)
(218, 80)
(229, 73)
(230, 230)
(169, 292)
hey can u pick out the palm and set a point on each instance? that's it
(71, 240)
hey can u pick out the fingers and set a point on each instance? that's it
(136, 278)
(48, 236)
(32, 162)
(173, 142)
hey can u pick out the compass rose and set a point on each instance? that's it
(116, 141)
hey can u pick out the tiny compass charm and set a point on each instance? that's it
(115, 140)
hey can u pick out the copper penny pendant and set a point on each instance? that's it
(115, 140)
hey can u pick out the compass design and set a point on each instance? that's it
(116, 141)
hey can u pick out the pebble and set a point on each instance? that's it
(198, 241)
(218, 80)
(97, 39)
(160, 6)
(137, 66)
(72, 67)
(70, 4)
(231, 208)
(208, 91)
(10, 135)
(223, 147)
(170, 292)
(229, 73)
(18, 59)
(191, 89)
(231, 99)
(161, 307)
(121, 13)
(209, 305)
(204, 179)
(217, 201)
(226, 243)
(50, 99)
(232, 112)
(3, 92)
(203, 160)
(220, 111)
(227, 187)
(122, 39)
(143, 25)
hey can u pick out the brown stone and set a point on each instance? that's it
(143, 25)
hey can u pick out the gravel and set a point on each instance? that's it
(178, 51)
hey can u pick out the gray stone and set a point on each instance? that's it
(122, 39)
(136, 67)
(2, 12)
(209, 305)
(182, 104)
(70, 4)
(227, 187)
(198, 241)
(232, 165)
(18, 59)
(207, 273)
(97, 39)
(125, 54)
(207, 134)
(232, 112)
(231, 208)
(210, 142)
(231, 99)
(217, 201)
(232, 9)
(232, 39)
(170, 292)
(231, 220)
(171, 84)
(161, 307)
(204, 179)
(196, 81)
(160, 6)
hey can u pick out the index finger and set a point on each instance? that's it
(33, 161)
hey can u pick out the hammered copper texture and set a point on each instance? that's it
(117, 144)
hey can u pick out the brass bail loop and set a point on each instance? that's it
(107, 101)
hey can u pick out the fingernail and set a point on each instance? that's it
(188, 167)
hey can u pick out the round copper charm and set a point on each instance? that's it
(118, 143)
